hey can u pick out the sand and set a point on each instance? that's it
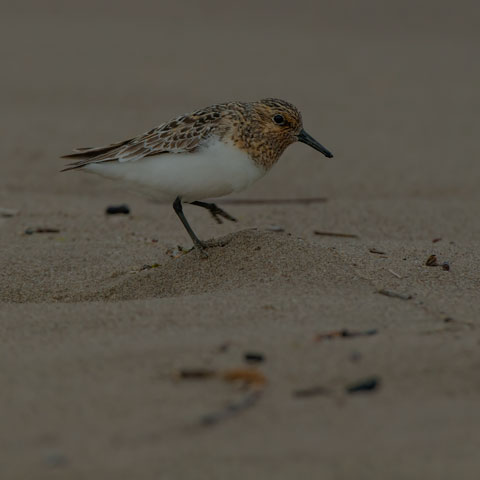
(92, 341)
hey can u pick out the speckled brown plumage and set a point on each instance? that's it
(248, 126)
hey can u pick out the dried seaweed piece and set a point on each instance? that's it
(435, 240)
(390, 293)
(374, 250)
(431, 261)
(366, 385)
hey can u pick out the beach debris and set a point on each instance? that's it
(432, 261)
(374, 250)
(394, 273)
(196, 373)
(247, 376)
(344, 334)
(178, 251)
(118, 210)
(149, 267)
(311, 392)
(390, 293)
(274, 228)
(435, 240)
(231, 409)
(8, 212)
(274, 201)
(253, 357)
(366, 385)
(31, 231)
(334, 234)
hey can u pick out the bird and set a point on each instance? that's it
(210, 153)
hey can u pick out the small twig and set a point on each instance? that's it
(394, 273)
(344, 334)
(334, 234)
(374, 250)
(389, 293)
(31, 231)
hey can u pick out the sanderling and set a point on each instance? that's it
(209, 153)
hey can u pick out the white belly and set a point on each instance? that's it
(214, 171)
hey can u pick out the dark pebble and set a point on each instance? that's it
(118, 209)
(251, 357)
(367, 385)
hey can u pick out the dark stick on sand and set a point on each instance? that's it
(334, 234)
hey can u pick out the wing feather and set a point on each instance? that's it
(181, 135)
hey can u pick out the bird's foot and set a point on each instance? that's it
(218, 213)
(202, 246)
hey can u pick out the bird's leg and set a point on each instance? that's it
(177, 206)
(215, 211)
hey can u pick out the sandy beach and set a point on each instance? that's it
(100, 316)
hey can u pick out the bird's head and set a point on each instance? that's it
(281, 123)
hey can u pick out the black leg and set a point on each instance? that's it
(215, 211)
(177, 206)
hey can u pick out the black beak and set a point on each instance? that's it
(304, 137)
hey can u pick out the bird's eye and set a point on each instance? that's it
(278, 119)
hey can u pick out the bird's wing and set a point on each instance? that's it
(181, 135)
